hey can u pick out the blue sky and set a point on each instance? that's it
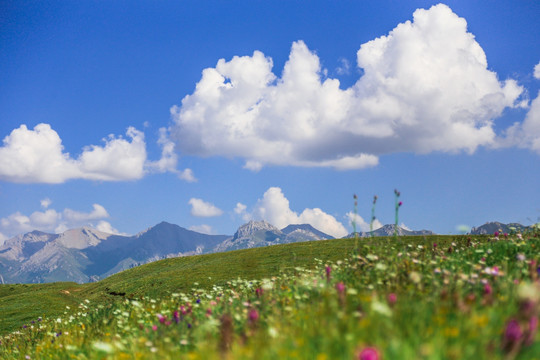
(206, 114)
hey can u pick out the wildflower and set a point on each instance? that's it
(258, 292)
(369, 353)
(161, 318)
(328, 271)
(154, 327)
(340, 287)
(487, 289)
(512, 336)
(392, 299)
(253, 316)
(496, 234)
(176, 317)
(521, 257)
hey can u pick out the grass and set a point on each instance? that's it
(435, 297)
(21, 303)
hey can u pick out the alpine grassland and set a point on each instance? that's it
(435, 297)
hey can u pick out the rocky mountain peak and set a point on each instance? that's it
(252, 227)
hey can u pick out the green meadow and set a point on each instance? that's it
(434, 297)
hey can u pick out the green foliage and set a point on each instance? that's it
(436, 297)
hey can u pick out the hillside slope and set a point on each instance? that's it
(23, 303)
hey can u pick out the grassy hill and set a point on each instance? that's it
(434, 297)
(21, 303)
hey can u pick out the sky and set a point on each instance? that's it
(207, 114)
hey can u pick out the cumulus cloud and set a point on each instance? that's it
(37, 156)
(169, 159)
(526, 134)
(203, 229)
(51, 220)
(361, 224)
(45, 203)
(106, 227)
(274, 207)
(201, 208)
(425, 87)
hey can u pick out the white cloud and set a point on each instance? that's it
(403, 226)
(37, 156)
(51, 220)
(240, 208)
(361, 224)
(274, 207)
(77, 217)
(201, 208)
(203, 229)
(344, 68)
(169, 158)
(45, 203)
(527, 133)
(3, 238)
(187, 175)
(106, 227)
(426, 87)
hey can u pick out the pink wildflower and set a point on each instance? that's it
(392, 299)
(154, 327)
(369, 353)
(253, 315)
(328, 271)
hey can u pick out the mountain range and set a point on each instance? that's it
(85, 254)
(491, 227)
(389, 229)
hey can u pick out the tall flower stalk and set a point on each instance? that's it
(398, 205)
(372, 215)
(354, 221)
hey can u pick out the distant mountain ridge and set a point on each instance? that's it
(490, 228)
(389, 229)
(85, 254)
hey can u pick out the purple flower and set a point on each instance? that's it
(400, 203)
(392, 298)
(198, 301)
(176, 317)
(488, 290)
(328, 271)
(253, 315)
(340, 287)
(161, 318)
(369, 353)
(513, 332)
(496, 234)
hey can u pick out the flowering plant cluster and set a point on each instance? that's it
(462, 298)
